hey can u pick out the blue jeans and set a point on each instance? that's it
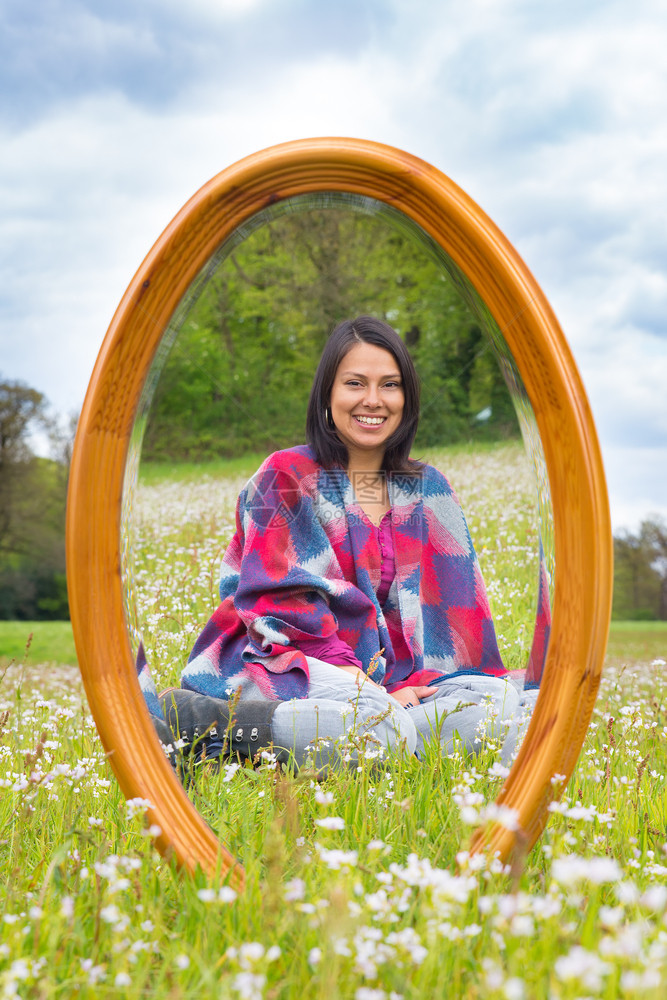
(338, 717)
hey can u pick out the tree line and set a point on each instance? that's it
(33, 492)
(640, 572)
(32, 524)
(239, 373)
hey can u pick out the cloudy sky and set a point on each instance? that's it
(551, 115)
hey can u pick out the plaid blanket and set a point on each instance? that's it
(305, 562)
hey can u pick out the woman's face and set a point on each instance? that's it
(367, 401)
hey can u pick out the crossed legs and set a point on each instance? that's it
(463, 708)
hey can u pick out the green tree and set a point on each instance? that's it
(640, 572)
(240, 370)
(32, 512)
(20, 407)
(654, 533)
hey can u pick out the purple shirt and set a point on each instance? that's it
(333, 649)
(388, 565)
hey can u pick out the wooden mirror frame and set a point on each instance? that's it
(582, 532)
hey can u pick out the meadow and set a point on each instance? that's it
(359, 886)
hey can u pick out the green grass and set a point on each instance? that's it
(380, 905)
(632, 640)
(52, 642)
(154, 473)
(376, 906)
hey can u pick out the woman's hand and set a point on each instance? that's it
(409, 697)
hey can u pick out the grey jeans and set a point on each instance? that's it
(339, 717)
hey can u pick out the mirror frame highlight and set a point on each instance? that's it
(582, 531)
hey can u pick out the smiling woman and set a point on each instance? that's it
(535, 356)
(351, 592)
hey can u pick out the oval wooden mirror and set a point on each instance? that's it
(372, 179)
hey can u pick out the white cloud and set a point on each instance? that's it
(637, 484)
(553, 119)
(214, 10)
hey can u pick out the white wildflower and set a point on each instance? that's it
(295, 889)
(249, 953)
(572, 869)
(584, 966)
(503, 815)
(641, 982)
(611, 916)
(627, 892)
(514, 988)
(331, 823)
(655, 898)
(136, 805)
(95, 972)
(110, 914)
(249, 985)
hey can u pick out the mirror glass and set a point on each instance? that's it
(230, 384)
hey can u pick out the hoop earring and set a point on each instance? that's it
(329, 419)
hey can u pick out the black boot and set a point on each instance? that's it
(204, 724)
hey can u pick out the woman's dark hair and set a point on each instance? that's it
(321, 434)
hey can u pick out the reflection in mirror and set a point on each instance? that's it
(231, 383)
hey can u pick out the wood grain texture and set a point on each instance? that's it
(582, 532)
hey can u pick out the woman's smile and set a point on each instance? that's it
(369, 421)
